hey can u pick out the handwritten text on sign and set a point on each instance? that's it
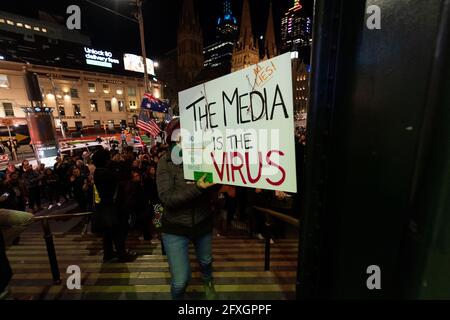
(240, 127)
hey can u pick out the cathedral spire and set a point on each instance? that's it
(188, 14)
(270, 46)
(246, 38)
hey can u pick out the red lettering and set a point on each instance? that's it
(247, 162)
(224, 160)
(234, 167)
(270, 163)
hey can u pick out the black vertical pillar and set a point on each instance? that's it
(375, 109)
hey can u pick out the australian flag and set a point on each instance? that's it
(150, 102)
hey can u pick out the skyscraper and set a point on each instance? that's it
(296, 31)
(227, 24)
(220, 52)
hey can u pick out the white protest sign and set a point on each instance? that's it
(239, 129)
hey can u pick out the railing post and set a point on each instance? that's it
(48, 236)
(267, 244)
(163, 250)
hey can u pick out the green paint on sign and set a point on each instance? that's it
(199, 174)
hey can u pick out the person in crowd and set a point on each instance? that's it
(23, 166)
(151, 198)
(32, 181)
(133, 203)
(99, 139)
(84, 169)
(10, 169)
(187, 217)
(123, 137)
(50, 183)
(61, 168)
(107, 219)
(78, 184)
(12, 224)
(14, 185)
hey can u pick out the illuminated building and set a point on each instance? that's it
(219, 54)
(296, 31)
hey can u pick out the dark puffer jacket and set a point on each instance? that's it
(187, 209)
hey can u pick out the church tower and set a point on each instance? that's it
(270, 45)
(246, 51)
(190, 43)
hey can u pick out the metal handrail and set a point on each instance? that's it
(48, 237)
(57, 217)
(286, 218)
(268, 213)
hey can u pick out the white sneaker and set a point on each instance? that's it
(59, 204)
(271, 241)
(50, 207)
(259, 236)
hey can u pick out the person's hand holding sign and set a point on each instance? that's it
(202, 184)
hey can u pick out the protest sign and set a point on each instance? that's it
(239, 129)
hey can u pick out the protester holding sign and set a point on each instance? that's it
(187, 217)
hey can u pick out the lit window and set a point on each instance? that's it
(36, 29)
(19, 24)
(119, 91)
(44, 30)
(27, 26)
(106, 88)
(4, 83)
(94, 106)
(10, 22)
(2, 20)
(91, 87)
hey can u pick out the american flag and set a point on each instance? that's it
(146, 123)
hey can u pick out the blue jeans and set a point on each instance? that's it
(177, 250)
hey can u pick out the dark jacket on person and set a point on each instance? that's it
(31, 179)
(187, 209)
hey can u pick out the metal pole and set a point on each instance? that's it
(56, 107)
(142, 36)
(14, 154)
(48, 236)
(267, 244)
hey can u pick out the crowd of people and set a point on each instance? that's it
(132, 189)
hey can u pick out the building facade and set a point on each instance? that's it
(82, 101)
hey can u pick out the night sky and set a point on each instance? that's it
(108, 31)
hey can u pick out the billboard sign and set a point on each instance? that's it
(135, 63)
(100, 58)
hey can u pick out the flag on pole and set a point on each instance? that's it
(146, 123)
(150, 102)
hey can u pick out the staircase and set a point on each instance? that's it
(238, 270)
